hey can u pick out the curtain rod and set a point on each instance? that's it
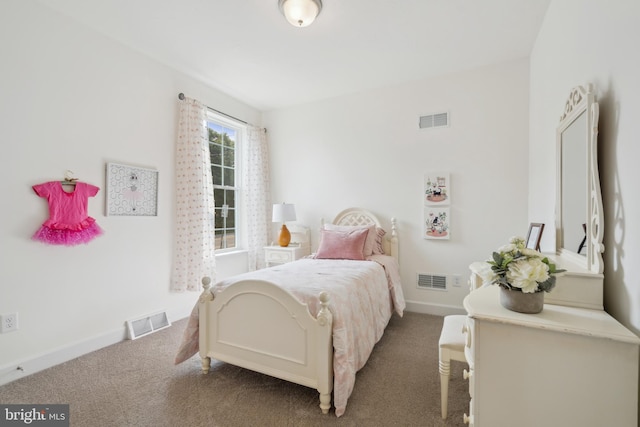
(181, 98)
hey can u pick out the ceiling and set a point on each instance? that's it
(247, 49)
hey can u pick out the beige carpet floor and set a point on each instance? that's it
(135, 383)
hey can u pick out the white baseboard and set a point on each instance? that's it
(23, 368)
(434, 309)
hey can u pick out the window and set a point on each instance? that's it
(224, 146)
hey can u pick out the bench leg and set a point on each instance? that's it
(445, 370)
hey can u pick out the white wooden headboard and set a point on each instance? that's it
(300, 235)
(362, 217)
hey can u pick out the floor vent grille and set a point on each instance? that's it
(432, 281)
(434, 121)
(147, 324)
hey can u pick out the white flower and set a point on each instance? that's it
(525, 274)
(530, 253)
(484, 271)
(514, 266)
(507, 248)
(517, 241)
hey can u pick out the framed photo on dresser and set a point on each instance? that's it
(534, 235)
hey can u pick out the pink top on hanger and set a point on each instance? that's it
(69, 223)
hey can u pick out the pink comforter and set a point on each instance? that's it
(364, 295)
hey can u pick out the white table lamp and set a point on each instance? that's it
(283, 212)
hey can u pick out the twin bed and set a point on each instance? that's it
(313, 321)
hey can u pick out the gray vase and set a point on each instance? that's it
(521, 302)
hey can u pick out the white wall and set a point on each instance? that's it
(580, 42)
(366, 150)
(72, 99)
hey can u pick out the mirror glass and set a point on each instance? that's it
(579, 220)
(574, 185)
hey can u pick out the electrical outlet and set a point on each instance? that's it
(456, 280)
(8, 322)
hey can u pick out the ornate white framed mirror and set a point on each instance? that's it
(579, 217)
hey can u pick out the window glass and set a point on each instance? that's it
(224, 140)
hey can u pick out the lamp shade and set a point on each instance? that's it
(283, 212)
(300, 13)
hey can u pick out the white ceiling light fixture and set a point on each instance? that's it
(300, 13)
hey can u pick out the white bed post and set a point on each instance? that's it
(393, 240)
(325, 355)
(203, 317)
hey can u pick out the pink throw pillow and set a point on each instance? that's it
(369, 243)
(336, 244)
(379, 246)
(374, 243)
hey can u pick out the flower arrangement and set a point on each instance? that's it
(519, 268)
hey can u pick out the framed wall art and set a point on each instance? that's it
(131, 191)
(437, 189)
(436, 223)
(436, 198)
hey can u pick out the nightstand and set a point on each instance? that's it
(274, 255)
(298, 248)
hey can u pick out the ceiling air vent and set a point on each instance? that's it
(437, 120)
(147, 324)
(432, 281)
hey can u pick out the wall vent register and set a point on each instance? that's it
(432, 281)
(147, 324)
(434, 121)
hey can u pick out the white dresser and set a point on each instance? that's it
(564, 367)
(571, 364)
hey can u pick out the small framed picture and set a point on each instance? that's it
(436, 223)
(534, 235)
(437, 189)
(131, 191)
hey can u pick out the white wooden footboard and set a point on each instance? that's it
(257, 325)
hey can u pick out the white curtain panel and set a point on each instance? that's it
(194, 244)
(257, 195)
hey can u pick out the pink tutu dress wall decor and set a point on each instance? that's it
(68, 223)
